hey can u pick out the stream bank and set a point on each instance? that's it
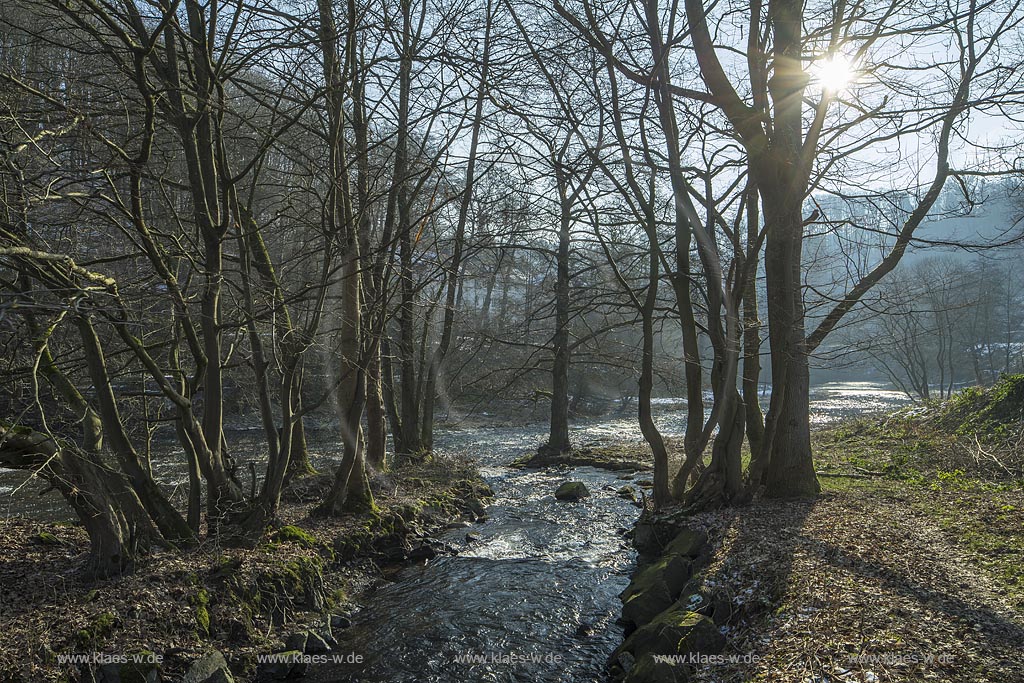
(908, 567)
(532, 594)
(177, 608)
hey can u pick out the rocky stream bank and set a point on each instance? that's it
(217, 614)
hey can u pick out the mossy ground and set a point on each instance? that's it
(240, 601)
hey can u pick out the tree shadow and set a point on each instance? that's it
(763, 542)
(1004, 632)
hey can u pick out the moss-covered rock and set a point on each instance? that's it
(687, 543)
(676, 631)
(572, 491)
(210, 668)
(700, 598)
(654, 589)
(294, 534)
(651, 669)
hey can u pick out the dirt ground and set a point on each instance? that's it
(876, 580)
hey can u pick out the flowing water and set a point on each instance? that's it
(538, 581)
(532, 596)
(535, 597)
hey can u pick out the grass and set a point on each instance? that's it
(934, 472)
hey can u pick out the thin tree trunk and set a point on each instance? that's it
(410, 413)
(648, 428)
(437, 361)
(350, 477)
(388, 393)
(752, 334)
(376, 427)
(558, 434)
(170, 522)
(299, 464)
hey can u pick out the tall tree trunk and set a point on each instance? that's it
(558, 434)
(410, 411)
(752, 332)
(789, 468)
(373, 293)
(350, 476)
(376, 426)
(782, 181)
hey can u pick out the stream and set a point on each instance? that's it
(535, 596)
(532, 594)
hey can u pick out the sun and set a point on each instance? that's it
(835, 73)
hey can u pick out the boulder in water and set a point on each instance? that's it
(572, 491)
